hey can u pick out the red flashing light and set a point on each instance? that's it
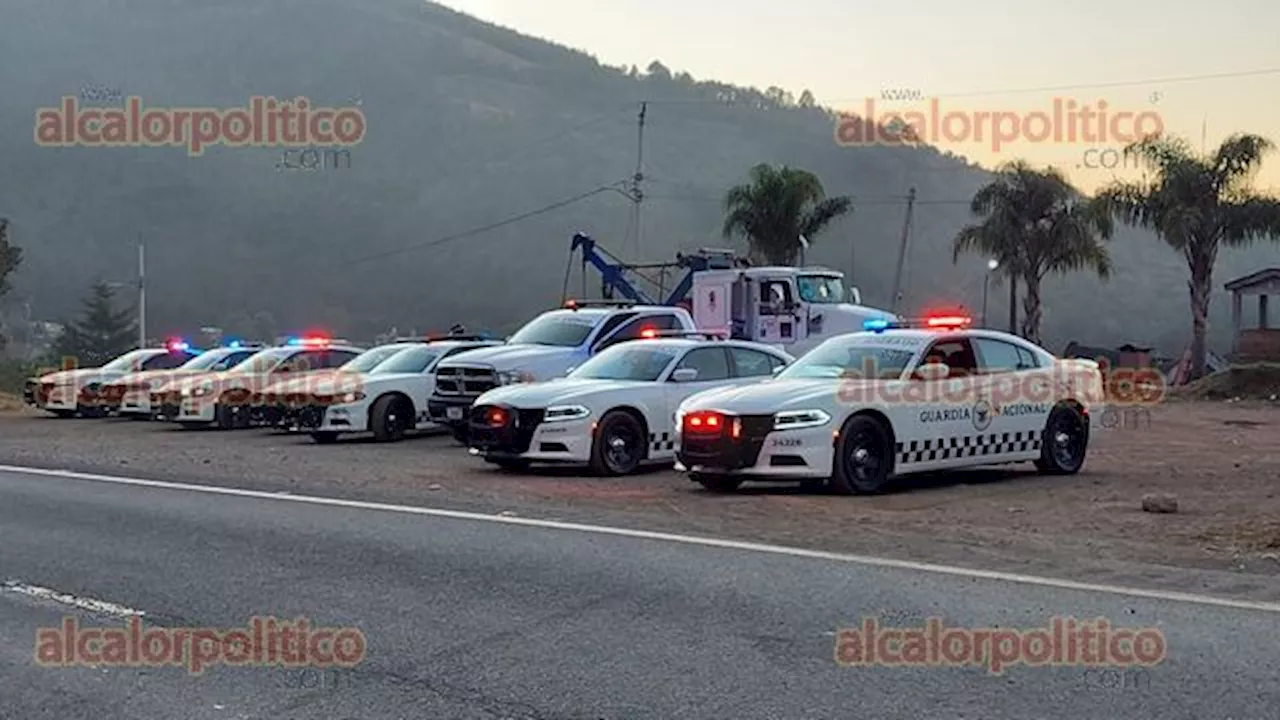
(948, 321)
(496, 417)
(648, 332)
(571, 304)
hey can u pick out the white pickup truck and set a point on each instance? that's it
(547, 347)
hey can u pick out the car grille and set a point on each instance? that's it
(514, 437)
(465, 381)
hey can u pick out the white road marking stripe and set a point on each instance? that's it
(509, 519)
(101, 607)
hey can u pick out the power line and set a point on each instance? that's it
(1094, 86)
(491, 226)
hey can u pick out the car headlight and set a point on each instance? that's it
(797, 419)
(351, 397)
(513, 377)
(563, 413)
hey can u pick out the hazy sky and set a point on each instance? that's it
(991, 56)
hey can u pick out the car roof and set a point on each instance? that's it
(692, 342)
(939, 333)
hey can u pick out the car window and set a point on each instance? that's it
(168, 361)
(711, 363)
(231, 360)
(612, 323)
(998, 356)
(958, 355)
(635, 329)
(302, 362)
(1027, 359)
(337, 358)
(752, 363)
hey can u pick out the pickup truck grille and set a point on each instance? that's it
(465, 381)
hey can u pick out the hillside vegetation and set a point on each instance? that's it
(468, 125)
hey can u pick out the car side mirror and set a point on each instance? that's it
(569, 370)
(684, 375)
(855, 296)
(777, 369)
(933, 371)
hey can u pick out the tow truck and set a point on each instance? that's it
(792, 308)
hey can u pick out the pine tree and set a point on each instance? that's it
(101, 333)
(10, 257)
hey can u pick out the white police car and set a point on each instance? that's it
(898, 398)
(388, 400)
(616, 410)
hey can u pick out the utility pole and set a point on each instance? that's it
(902, 253)
(142, 293)
(637, 194)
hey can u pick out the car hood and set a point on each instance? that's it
(82, 376)
(300, 382)
(510, 357)
(555, 392)
(148, 376)
(373, 383)
(767, 397)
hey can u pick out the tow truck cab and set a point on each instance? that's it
(793, 308)
(547, 347)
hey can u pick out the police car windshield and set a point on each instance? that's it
(820, 289)
(264, 361)
(206, 360)
(567, 329)
(130, 360)
(411, 360)
(368, 360)
(850, 358)
(629, 361)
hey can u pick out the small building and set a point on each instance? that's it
(1263, 342)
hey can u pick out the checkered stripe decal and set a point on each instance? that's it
(662, 441)
(967, 446)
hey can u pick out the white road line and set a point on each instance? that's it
(671, 537)
(101, 607)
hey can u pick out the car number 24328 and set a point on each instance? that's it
(785, 442)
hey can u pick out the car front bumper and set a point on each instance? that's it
(350, 418)
(525, 436)
(759, 452)
(450, 410)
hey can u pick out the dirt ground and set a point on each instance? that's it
(1221, 460)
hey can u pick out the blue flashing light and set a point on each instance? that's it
(234, 345)
(877, 325)
(294, 341)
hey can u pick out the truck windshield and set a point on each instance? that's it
(560, 329)
(626, 362)
(850, 359)
(820, 289)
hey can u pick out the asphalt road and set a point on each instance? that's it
(469, 618)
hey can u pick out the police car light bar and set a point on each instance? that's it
(703, 334)
(932, 322)
(572, 304)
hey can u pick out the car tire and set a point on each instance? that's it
(224, 417)
(863, 458)
(324, 438)
(619, 445)
(717, 483)
(461, 434)
(389, 418)
(1065, 441)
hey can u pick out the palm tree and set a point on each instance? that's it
(1034, 222)
(777, 207)
(1196, 203)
